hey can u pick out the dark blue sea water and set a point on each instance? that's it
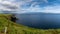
(39, 20)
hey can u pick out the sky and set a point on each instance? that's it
(26, 6)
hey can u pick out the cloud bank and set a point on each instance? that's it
(47, 6)
(8, 5)
(24, 6)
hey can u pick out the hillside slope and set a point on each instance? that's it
(14, 28)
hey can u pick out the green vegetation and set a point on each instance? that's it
(14, 28)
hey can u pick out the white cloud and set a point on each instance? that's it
(55, 8)
(47, 9)
(52, 9)
(23, 2)
(8, 5)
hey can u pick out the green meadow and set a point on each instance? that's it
(14, 28)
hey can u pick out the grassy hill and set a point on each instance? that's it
(14, 28)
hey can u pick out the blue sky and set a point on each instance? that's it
(23, 6)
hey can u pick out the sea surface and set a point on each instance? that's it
(39, 20)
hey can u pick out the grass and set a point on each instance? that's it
(14, 28)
